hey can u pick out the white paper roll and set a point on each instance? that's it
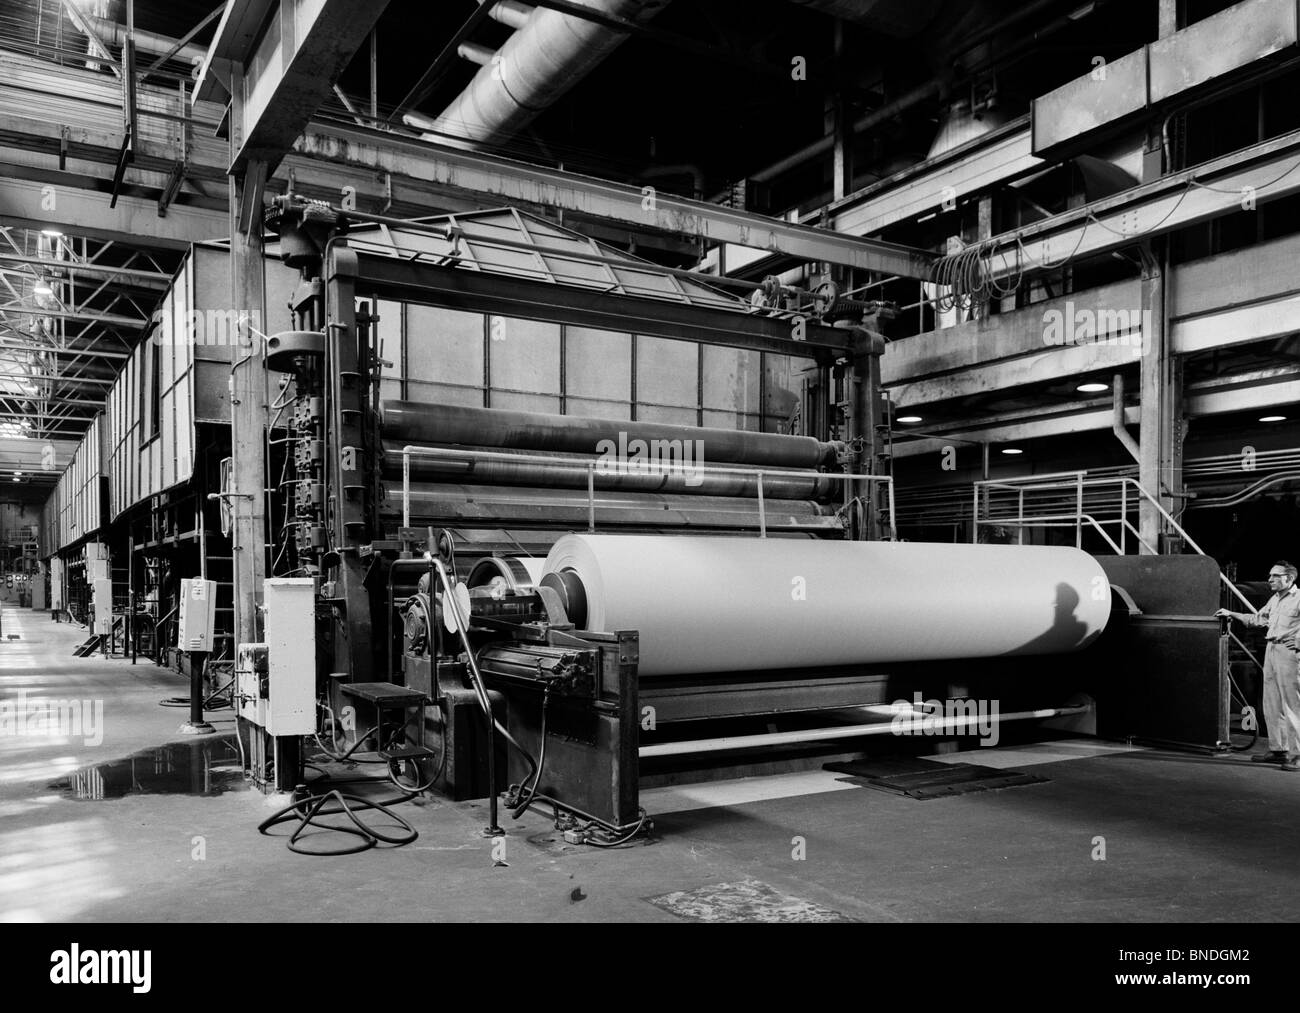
(714, 604)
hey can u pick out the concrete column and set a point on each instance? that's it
(1160, 464)
(248, 410)
(1168, 18)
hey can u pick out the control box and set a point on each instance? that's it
(290, 636)
(196, 617)
(102, 590)
(252, 682)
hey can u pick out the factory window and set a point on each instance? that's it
(597, 373)
(444, 355)
(731, 382)
(783, 391)
(150, 390)
(524, 358)
(667, 380)
(390, 349)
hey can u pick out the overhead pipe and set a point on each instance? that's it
(905, 101)
(474, 53)
(1117, 419)
(546, 57)
(112, 33)
(511, 13)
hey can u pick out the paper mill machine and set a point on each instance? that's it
(612, 593)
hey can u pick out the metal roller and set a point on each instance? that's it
(507, 506)
(571, 472)
(411, 422)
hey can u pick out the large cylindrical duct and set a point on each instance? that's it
(539, 63)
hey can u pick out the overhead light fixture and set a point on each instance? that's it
(1092, 388)
(1012, 450)
(18, 474)
(1273, 418)
(42, 287)
(908, 418)
(52, 233)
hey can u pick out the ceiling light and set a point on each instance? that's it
(1012, 450)
(1092, 388)
(43, 288)
(52, 233)
(1273, 418)
(908, 418)
(18, 474)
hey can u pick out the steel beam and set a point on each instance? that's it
(289, 70)
(32, 205)
(475, 173)
(1250, 177)
(142, 279)
(477, 291)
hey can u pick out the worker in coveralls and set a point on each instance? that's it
(1281, 617)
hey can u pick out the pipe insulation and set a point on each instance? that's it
(717, 604)
(413, 422)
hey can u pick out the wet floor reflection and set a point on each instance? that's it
(206, 767)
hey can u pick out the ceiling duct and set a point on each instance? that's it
(900, 19)
(959, 126)
(538, 64)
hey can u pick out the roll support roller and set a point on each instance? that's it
(410, 422)
(515, 467)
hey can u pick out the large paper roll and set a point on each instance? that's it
(715, 604)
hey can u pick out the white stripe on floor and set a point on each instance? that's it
(1037, 752)
(716, 794)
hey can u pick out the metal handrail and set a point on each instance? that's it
(543, 459)
(1079, 482)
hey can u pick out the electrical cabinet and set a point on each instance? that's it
(290, 636)
(197, 615)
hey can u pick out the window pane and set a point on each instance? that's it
(667, 372)
(731, 420)
(598, 363)
(443, 393)
(525, 402)
(731, 378)
(444, 345)
(676, 416)
(590, 409)
(525, 355)
(784, 384)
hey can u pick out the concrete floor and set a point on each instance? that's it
(1185, 837)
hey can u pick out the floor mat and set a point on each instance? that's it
(922, 779)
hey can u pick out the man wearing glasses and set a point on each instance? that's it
(1281, 616)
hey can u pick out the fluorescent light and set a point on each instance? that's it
(1012, 450)
(42, 287)
(1092, 388)
(1273, 418)
(18, 474)
(908, 418)
(52, 233)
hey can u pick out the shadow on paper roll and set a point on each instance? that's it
(715, 604)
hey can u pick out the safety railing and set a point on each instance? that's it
(1131, 496)
(593, 469)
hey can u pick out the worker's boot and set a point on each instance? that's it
(1272, 756)
(1292, 762)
